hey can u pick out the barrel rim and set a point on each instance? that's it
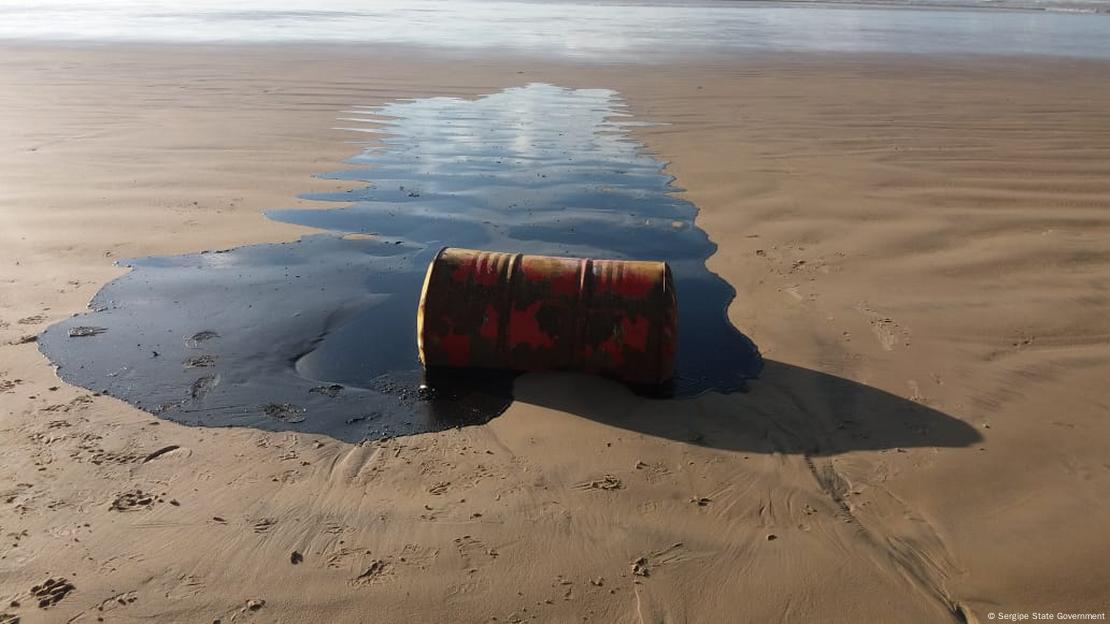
(420, 306)
(667, 373)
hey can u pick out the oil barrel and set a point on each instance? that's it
(488, 309)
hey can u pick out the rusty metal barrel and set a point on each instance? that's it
(523, 312)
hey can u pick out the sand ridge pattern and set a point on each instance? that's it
(963, 199)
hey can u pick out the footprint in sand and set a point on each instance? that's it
(285, 412)
(99, 456)
(474, 553)
(377, 571)
(247, 608)
(885, 329)
(419, 556)
(889, 332)
(643, 566)
(202, 386)
(78, 404)
(608, 483)
(264, 525)
(200, 361)
(331, 390)
(51, 591)
(195, 341)
(653, 472)
(117, 601)
(342, 556)
(134, 500)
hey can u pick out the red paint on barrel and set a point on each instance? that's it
(463, 272)
(634, 332)
(525, 330)
(499, 310)
(612, 349)
(488, 330)
(456, 347)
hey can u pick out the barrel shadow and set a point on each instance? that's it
(788, 410)
(318, 336)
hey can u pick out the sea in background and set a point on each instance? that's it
(608, 31)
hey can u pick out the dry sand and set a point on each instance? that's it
(919, 248)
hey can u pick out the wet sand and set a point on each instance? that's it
(918, 246)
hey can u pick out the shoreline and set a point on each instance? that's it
(724, 64)
(627, 32)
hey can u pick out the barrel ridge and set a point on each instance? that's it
(583, 302)
(505, 309)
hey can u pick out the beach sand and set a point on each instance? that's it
(919, 250)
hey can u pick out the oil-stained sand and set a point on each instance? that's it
(319, 335)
